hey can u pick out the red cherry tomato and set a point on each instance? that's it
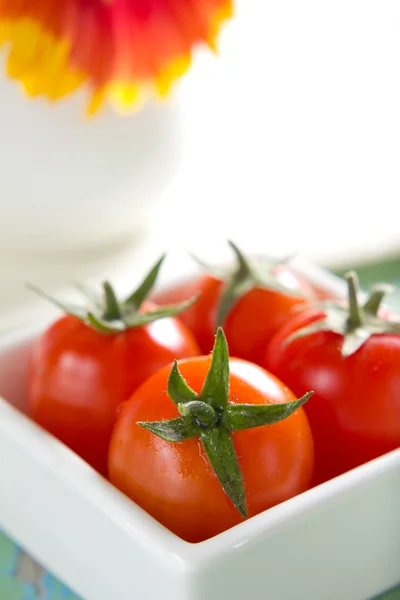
(251, 322)
(355, 411)
(175, 483)
(78, 377)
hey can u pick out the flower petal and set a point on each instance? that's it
(118, 48)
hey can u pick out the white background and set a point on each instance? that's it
(290, 142)
(292, 139)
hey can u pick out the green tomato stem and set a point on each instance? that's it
(355, 323)
(210, 417)
(204, 414)
(356, 315)
(112, 309)
(244, 277)
(376, 297)
(107, 315)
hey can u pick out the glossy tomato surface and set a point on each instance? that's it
(175, 483)
(251, 322)
(79, 377)
(355, 411)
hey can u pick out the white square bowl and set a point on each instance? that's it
(340, 540)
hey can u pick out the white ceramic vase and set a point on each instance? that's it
(68, 183)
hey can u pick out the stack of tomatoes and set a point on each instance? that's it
(147, 392)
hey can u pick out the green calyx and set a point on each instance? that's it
(245, 276)
(354, 320)
(210, 417)
(106, 314)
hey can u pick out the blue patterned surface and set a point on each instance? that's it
(23, 579)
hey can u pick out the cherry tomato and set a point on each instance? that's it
(175, 482)
(252, 320)
(355, 411)
(78, 377)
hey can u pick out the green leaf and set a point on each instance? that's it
(178, 389)
(102, 326)
(221, 453)
(73, 310)
(136, 299)
(112, 309)
(356, 312)
(258, 273)
(244, 268)
(170, 310)
(238, 284)
(377, 295)
(175, 430)
(215, 390)
(89, 318)
(354, 340)
(238, 417)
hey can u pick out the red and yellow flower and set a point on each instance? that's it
(118, 48)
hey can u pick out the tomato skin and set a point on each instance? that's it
(175, 483)
(355, 410)
(201, 316)
(252, 321)
(79, 377)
